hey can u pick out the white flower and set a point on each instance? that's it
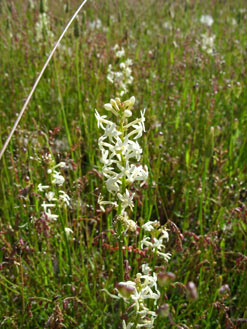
(133, 150)
(103, 144)
(121, 146)
(112, 184)
(126, 199)
(50, 196)
(120, 53)
(208, 43)
(167, 25)
(58, 179)
(129, 103)
(165, 234)
(121, 78)
(47, 210)
(101, 203)
(68, 231)
(129, 224)
(143, 119)
(138, 174)
(60, 165)
(41, 187)
(127, 113)
(146, 269)
(166, 256)
(207, 20)
(145, 242)
(150, 226)
(51, 216)
(64, 198)
(128, 62)
(101, 120)
(47, 205)
(157, 244)
(111, 131)
(95, 25)
(138, 130)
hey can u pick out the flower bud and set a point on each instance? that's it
(127, 113)
(118, 100)
(164, 278)
(192, 291)
(130, 102)
(108, 107)
(163, 310)
(114, 104)
(125, 289)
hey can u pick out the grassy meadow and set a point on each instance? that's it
(191, 78)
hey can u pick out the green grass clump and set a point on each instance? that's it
(195, 148)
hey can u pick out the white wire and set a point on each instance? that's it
(37, 81)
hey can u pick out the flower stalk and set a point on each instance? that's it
(121, 168)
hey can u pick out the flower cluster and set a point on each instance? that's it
(51, 198)
(156, 243)
(122, 78)
(120, 157)
(42, 27)
(119, 148)
(207, 43)
(137, 295)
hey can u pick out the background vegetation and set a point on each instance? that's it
(195, 147)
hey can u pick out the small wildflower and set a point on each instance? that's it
(128, 224)
(150, 226)
(50, 196)
(122, 78)
(146, 269)
(68, 231)
(206, 20)
(120, 53)
(43, 27)
(41, 187)
(102, 203)
(157, 244)
(95, 25)
(64, 198)
(126, 199)
(50, 216)
(58, 179)
(208, 43)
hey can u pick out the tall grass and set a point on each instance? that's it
(195, 149)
